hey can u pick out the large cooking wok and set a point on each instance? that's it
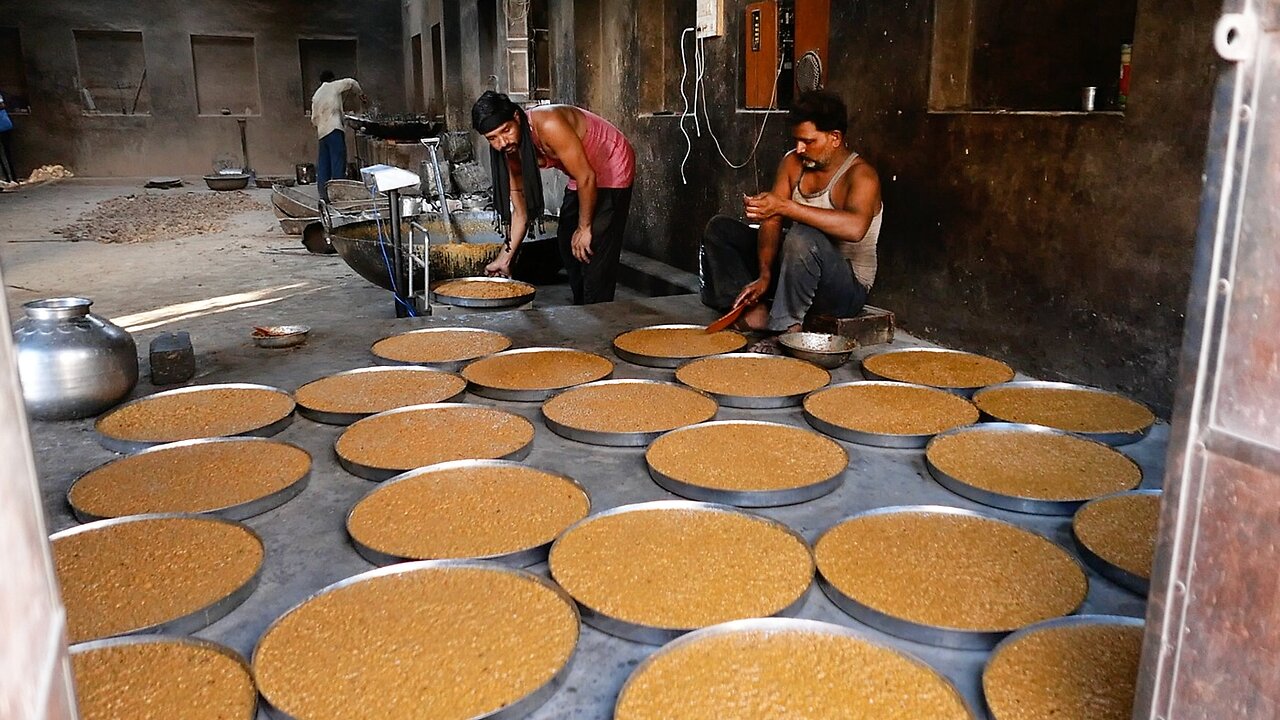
(396, 127)
(360, 247)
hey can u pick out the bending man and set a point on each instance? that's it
(326, 115)
(827, 263)
(600, 164)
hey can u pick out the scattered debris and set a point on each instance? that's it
(39, 176)
(145, 217)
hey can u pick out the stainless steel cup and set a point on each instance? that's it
(1088, 96)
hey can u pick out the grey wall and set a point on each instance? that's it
(174, 138)
(1059, 243)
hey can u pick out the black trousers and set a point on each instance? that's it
(8, 171)
(595, 281)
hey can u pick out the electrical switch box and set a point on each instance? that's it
(710, 19)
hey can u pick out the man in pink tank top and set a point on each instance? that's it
(600, 164)
(825, 262)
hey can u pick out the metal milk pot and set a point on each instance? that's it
(73, 364)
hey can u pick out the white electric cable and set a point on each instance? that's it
(773, 101)
(688, 141)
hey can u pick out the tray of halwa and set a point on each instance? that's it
(1116, 536)
(1028, 468)
(753, 380)
(747, 463)
(946, 576)
(533, 374)
(440, 639)
(669, 346)
(479, 509)
(652, 571)
(752, 669)
(153, 573)
(387, 444)
(345, 397)
(199, 411)
(886, 414)
(232, 478)
(953, 370)
(1087, 411)
(446, 348)
(625, 413)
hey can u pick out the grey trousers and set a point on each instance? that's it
(809, 274)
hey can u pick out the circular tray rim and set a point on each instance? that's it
(754, 402)
(378, 474)
(340, 418)
(122, 640)
(517, 709)
(951, 638)
(126, 447)
(446, 365)
(783, 625)
(964, 391)
(749, 498)
(197, 619)
(619, 439)
(464, 302)
(1110, 438)
(1052, 623)
(1116, 574)
(652, 635)
(238, 511)
(860, 437)
(668, 363)
(523, 557)
(1004, 501)
(532, 395)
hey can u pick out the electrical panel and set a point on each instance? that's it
(710, 18)
(769, 27)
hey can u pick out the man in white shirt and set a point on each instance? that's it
(326, 115)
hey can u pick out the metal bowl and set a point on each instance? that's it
(280, 336)
(226, 181)
(821, 349)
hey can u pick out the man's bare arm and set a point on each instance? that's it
(768, 239)
(562, 140)
(857, 199)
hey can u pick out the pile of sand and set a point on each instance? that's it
(145, 217)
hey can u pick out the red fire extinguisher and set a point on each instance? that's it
(1126, 71)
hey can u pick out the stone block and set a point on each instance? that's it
(173, 360)
(872, 326)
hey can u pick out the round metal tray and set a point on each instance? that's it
(534, 395)
(780, 625)
(515, 710)
(1070, 621)
(1015, 503)
(1110, 438)
(964, 392)
(884, 440)
(91, 645)
(195, 620)
(659, 361)
(523, 557)
(465, 302)
(649, 634)
(338, 418)
(752, 402)
(131, 446)
(1114, 573)
(614, 439)
(369, 472)
(239, 511)
(447, 365)
(749, 498)
(953, 638)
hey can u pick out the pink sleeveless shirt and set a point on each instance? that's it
(606, 149)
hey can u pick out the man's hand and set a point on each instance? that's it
(763, 206)
(752, 293)
(501, 265)
(581, 244)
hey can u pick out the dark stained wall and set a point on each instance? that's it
(175, 138)
(1061, 244)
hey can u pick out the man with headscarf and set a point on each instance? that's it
(600, 164)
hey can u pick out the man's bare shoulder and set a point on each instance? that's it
(861, 172)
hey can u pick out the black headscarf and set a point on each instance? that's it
(490, 111)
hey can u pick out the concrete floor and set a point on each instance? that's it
(307, 547)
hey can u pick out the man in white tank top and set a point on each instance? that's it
(826, 262)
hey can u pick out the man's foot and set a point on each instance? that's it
(767, 346)
(755, 317)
